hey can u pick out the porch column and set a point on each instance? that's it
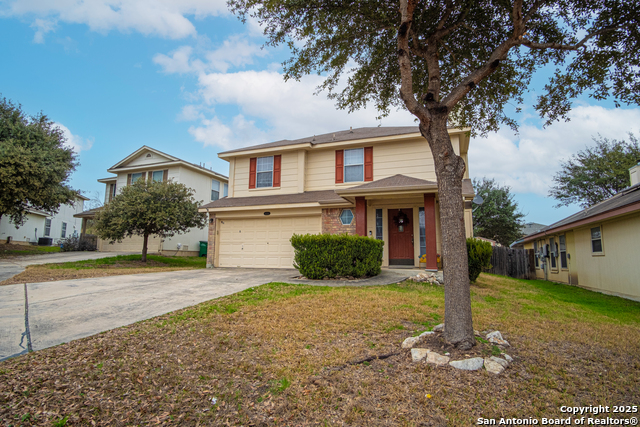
(430, 231)
(84, 227)
(361, 216)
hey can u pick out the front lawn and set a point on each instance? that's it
(18, 250)
(111, 266)
(280, 354)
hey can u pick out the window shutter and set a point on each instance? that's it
(277, 160)
(339, 166)
(368, 163)
(252, 172)
(128, 179)
(165, 175)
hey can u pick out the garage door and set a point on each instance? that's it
(263, 242)
(130, 244)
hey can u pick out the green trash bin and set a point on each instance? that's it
(203, 248)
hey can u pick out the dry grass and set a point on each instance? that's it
(16, 250)
(278, 355)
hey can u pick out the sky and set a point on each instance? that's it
(188, 78)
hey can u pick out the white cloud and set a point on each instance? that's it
(190, 113)
(42, 27)
(529, 161)
(236, 51)
(288, 110)
(179, 62)
(77, 143)
(164, 18)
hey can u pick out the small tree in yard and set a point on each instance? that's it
(457, 62)
(596, 173)
(148, 208)
(498, 217)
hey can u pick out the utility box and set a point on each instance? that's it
(45, 241)
(203, 248)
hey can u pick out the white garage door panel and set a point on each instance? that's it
(263, 242)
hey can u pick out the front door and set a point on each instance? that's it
(401, 237)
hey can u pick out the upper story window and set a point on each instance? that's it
(135, 177)
(264, 177)
(225, 190)
(354, 165)
(158, 176)
(215, 190)
(264, 172)
(596, 240)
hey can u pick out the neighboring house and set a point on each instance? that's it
(377, 182)
(148, 163)
(530, 228)
(43, 224)
(597, 248)
(484, 239)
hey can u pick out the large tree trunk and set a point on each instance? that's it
(450, 170)
(144, 247)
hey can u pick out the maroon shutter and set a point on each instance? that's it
(128, 179)
(252, 172)
(277, 160)
(339, 166)
(165, 175)
(368, 163)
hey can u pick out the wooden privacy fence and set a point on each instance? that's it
(516, 263)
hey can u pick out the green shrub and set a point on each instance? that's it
(479, 253)
(336, 255)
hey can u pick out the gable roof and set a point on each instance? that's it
(627, 200)
(121, 166)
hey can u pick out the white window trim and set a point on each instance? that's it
(269, 171)
(344, 164)
(214, 181)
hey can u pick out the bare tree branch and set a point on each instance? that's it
(559, 46)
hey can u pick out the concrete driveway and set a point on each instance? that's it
(66, 310)
(12, 265)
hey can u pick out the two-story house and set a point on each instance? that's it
(149, 163)
(377, 182)
(38, 224)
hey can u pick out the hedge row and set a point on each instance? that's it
(479, 253)
(336, 255)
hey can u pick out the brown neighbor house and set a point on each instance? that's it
(378, 182)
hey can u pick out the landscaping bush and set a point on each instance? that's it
(479, 253)
(336, 255)
(73, 243)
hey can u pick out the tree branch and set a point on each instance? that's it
(406, 85)
(559, 46)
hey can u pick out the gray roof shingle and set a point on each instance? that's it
(324, 196)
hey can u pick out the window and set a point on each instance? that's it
(135, 177)
(596, 240)
(157, 176)
(264, 177)
(47, 227)
(112, 191)
(563, 251)
(64, 230)
(346, 217)
(379, 224)
(215, 190)
(354, 165)
(225, 190)
(535, 251)
(423, 234)
(554, 253)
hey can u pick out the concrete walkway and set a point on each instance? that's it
(12, 265)
(62, 311)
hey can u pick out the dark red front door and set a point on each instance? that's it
(401, 242)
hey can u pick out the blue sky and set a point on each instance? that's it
(187, 78)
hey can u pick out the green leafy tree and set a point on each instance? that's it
(456, 62)
(35, 165)
(596, 173)
(498, 217)
(148, 208)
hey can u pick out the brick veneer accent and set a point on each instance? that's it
(331, 223)
(211, 246)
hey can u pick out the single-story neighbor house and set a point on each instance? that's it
(39, 224)
(596, 248)
(378, 182)
(149, 163)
